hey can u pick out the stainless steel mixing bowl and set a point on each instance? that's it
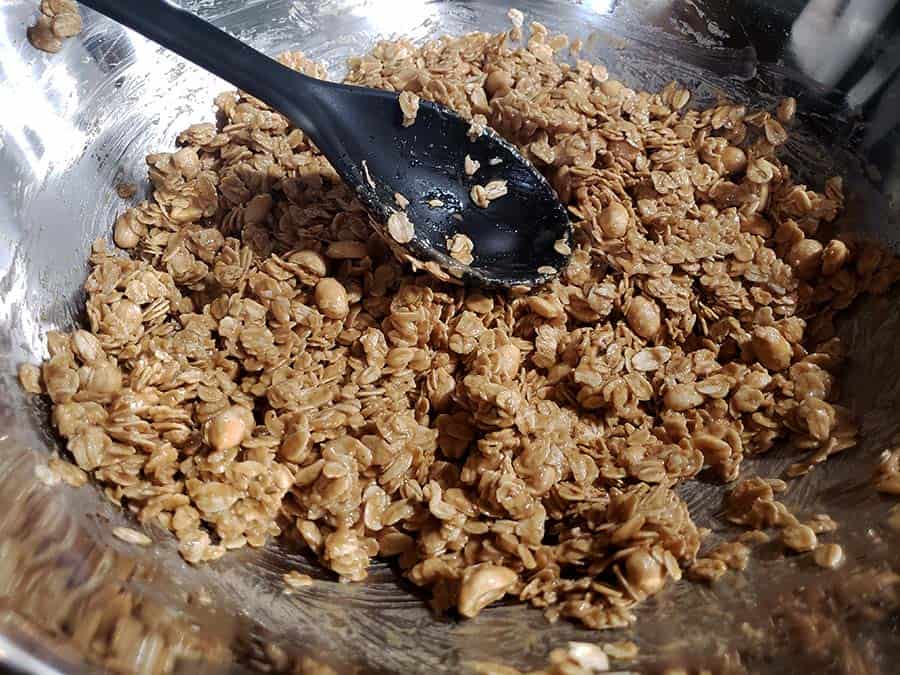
(73, 125)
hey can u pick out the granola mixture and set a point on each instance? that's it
(257, 364)
(57, 21)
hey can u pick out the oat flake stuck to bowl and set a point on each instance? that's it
(131, 536)
(248, 363)
(294, 580)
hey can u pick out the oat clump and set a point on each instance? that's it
(58, 21)
(460, 248)
(483, 195)
(257, 357)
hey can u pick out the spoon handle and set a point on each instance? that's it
(215, 50)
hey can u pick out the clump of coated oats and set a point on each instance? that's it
(58, 20)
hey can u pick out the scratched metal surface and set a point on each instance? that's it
(75, 124)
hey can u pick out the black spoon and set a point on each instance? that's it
(360, 131)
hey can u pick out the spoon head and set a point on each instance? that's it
(518, 239)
